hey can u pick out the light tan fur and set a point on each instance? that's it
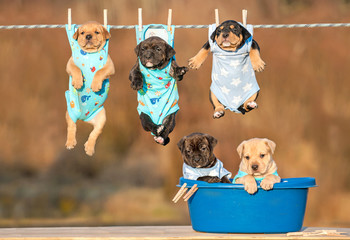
(258, 152)
(197, 61)
(99, 35)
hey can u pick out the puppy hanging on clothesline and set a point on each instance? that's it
(236, 55)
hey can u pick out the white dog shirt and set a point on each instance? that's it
(217, 170)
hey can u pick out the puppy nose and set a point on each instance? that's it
(255, 167)
(225, 35)
(88, 37)
(196, 159)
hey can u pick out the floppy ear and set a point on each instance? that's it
(76, 34)
(240, 149)
(105, 33)
(245, 34)
(211, 140)
(170, 52)
(180, 144)
(137, 49)
(213, 35)
(270, 144)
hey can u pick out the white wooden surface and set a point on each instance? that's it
(144, 232)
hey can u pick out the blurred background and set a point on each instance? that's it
(303, 107)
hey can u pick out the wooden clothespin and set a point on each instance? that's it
(140, 19)
(170, 12)
(105, 18)
(183, 190)
(217, 17)
(69, 19)
(244, 17)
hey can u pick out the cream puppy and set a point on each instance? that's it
(257, 164)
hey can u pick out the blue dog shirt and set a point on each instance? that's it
(83, 103)
(158, 97)
(241, 174)
(194, 173)
(233, 77)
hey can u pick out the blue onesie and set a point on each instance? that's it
(83, 103)
(242, 174)
(233, 77)
(194, 173)
(158, 97)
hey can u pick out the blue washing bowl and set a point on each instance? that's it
(228, 208)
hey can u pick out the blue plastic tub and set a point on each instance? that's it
(228, 208)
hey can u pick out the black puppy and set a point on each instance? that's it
(154, 76)
(230, 36)
(200, 162)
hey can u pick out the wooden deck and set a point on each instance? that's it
(149, 232)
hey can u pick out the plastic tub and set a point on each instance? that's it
(228, 208)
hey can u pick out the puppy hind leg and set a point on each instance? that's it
(71, 132)
(219, 109)
(148, 124)
(250, 104)
(98, 123)
(166, 128)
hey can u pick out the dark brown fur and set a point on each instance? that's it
(197, 152)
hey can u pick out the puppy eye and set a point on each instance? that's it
(188, 151)
(262, 155)
(158, 49)
(203, 148)
(97, 32)
(82, 33)
(247, 157)
(218, 31)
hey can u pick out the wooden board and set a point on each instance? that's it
(146, 232)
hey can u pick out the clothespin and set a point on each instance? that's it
(244, 17)
(140, 19)
(183, 190)
(69, 19)
(169, 18)
(217, 17)
(105, 18)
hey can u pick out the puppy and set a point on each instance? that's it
(154, 77)
(89, 69)
(257, 164)
(233, 85)
(200, 162)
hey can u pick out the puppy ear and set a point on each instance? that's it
(105, 33)
(240, 149)
(170, 52)
(270, 144)
(76, 34)
(211, 140)
(213, 35)
(180, 144)
(245, 34)
(137, 49)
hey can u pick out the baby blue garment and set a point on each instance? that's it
(158, 97)
(241, 174)
(83, 103)
(233, 77)
(194, 173)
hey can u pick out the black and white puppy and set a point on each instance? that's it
(200, 162)
(155, 80)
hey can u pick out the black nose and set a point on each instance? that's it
(255, 167)
(148, 55)
(88, 37)
(196, 159)
(225, 35)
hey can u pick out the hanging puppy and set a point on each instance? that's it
(154, 77)
(236, 55)
(89, 69)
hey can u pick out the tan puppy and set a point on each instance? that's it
(257, 164)
(91, 37)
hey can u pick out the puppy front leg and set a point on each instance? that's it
(102, 74)
(209, 179)
(268, 182)
(197, 61)
(257, 63)
(71, 131)
(75, 72)
(98, 122)
(177, 72)
(135, 77)
(249, 183)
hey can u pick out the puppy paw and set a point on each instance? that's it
(252, 105)
(159, 140)
(266, 184)
(258, 65)
(89, 148)
(136, 85)
(96, 85)
(194, 63)
(219, 112)
(77, 81)
(70, 144)
(251, 188)
(180, 72)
